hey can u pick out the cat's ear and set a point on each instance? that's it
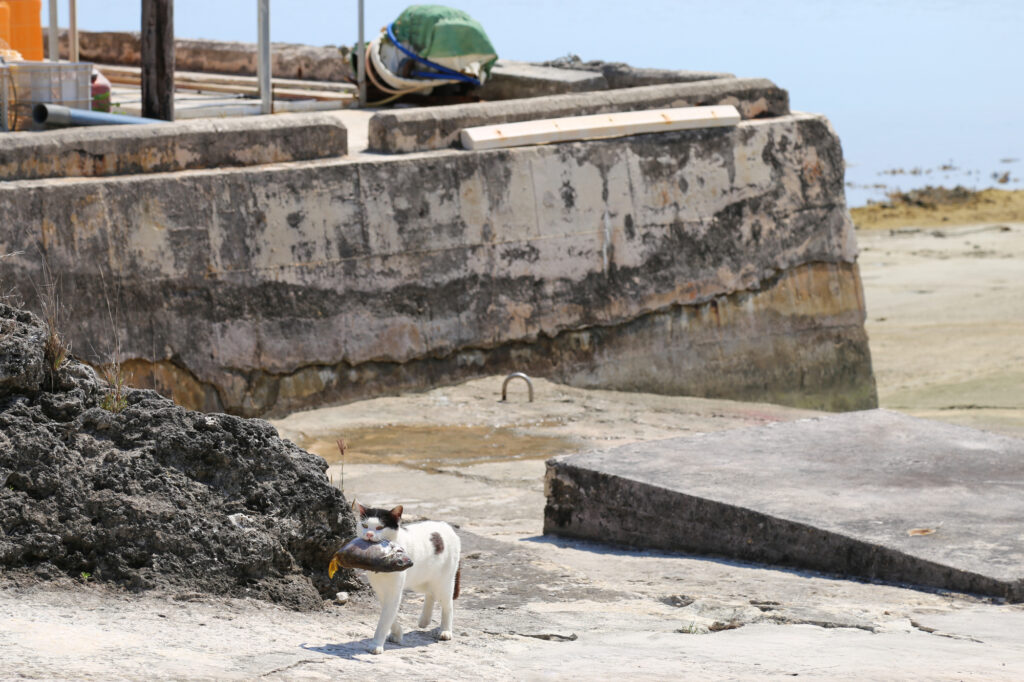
(396, 513)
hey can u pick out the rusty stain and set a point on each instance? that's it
(921, 531)
(812, 171)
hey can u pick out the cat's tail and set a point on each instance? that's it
(458, 580)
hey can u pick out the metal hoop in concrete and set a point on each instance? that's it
(510, 377)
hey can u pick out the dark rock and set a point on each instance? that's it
(22, 364)
(156, 496)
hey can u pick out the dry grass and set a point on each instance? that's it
(116, 398)
(57, 349)
(117, 380)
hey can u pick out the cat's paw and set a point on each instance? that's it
(444, 635)
(377, 649)
(396, 637)
(424, 622)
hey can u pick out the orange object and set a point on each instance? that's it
(5, 26)
(26, 28)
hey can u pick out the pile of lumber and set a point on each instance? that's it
(283, 88)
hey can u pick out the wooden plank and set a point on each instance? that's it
(112, 72)
(157, 56)
(596, 126)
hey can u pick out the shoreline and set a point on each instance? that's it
(941, 207)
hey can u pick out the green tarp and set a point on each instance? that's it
(444, 35)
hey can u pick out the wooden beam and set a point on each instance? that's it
(73, 33)
(158, 59)
(596, 126)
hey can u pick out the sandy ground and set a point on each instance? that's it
(946, 322)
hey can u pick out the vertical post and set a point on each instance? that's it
(158, 59)
(53, 48)
(263, 67)
(361, 59)
(5, 105)
(73, 33)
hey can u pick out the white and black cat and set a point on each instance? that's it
(434, 549)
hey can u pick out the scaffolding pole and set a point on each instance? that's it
(263, 66)
(361, 59)
(53, 47)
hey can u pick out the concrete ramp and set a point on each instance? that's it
(872, 494)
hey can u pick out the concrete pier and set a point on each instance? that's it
(717, 263)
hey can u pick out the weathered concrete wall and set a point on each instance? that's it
(273, 288)
(513, 79)
(287, 60)
(622, 75)
(163, 147)
(427, 128)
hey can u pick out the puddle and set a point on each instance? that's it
(431, 447)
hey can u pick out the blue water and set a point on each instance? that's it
(908, 84)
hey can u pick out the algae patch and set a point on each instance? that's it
(427, 447)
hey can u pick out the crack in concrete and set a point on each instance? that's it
(289, 667)
(827, 624)
(547, 636)
(932, 631)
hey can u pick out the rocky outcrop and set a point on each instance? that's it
(149, 495)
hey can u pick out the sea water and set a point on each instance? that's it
(920, 91)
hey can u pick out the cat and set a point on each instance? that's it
(436, 571)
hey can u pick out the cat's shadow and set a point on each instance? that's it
(359, 649)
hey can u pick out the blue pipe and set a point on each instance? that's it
(57, 116)
(444, 71)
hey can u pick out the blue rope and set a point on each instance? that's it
(443, 70)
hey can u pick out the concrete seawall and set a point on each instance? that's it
(716, 263)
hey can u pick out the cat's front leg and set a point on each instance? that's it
(447, 608)
(388, 616)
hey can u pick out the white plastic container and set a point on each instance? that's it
(25, 84)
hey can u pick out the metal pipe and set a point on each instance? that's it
(361, 59)
(73, 33)
(57, 116)
(263, 67)
(53, 47)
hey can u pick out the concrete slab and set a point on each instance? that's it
(513, 79)
(165, 147)
(402, 131)
(872, 494)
